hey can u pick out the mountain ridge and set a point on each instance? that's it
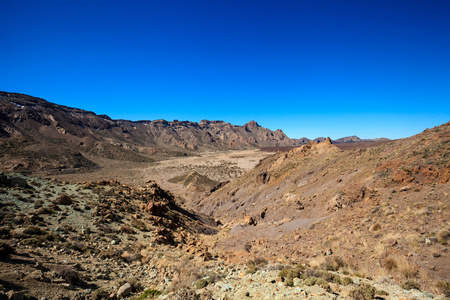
(40, 135)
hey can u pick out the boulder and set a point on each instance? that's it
(249, 220)
(124, 290)
(63, 200)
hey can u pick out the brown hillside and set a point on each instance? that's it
(366, 205)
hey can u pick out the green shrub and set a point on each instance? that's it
(363, 292)
(347, 281)
(310, 281)
(150, 293)
(291, 273)
(323, 284)
(381, 293)
(201, 283)
(410, 284)
(289, 282)
(330, 277)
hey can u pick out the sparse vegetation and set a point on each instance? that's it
(333, 263)
(390, 264)
(201, 283)
(410, 284)
(150, 293)
(347, 281)
(363, 292)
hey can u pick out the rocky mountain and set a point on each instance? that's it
(36, 134)
(355, 139)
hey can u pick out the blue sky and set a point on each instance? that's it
(309, 67)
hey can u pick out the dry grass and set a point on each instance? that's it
(408, 269)
(390, 264)
(317, 261)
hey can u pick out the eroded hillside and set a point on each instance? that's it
(36, 135)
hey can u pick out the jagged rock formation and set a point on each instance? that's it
(38, 135)
(33, 127)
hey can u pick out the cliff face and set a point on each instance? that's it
(33, 129)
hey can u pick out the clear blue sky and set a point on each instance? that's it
(373, 68)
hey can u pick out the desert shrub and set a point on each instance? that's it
(347, 281)
(323, 284)
(255, 264)
(390, 264)
(410, 284)
(291, 273)
(289, 282)
(444, 287)
(363, 292)
(310, 281)
(150, 293)
(330, 277)
(333, 263)
(381, 293)
(201, 283)
(258, 261)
